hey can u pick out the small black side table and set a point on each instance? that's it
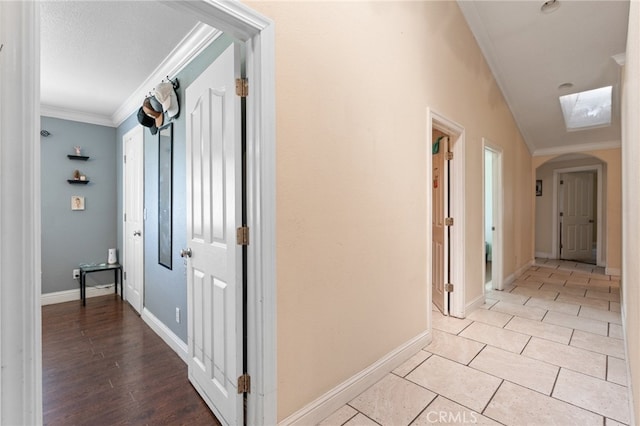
(87, 269)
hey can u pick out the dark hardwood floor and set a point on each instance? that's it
(102, 365)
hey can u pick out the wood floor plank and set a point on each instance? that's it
(102, 365)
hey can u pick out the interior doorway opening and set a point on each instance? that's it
(570, 209)
(493, 207)
(445, 224)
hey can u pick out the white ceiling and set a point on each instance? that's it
(531, 53)
(96, 54)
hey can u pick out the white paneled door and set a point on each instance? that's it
(577, 201)
(133, 162)
(439, 187)
(214, 211)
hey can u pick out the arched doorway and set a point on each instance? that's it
(570, 194)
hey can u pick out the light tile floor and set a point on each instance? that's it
(547, 350)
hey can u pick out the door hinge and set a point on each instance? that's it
(448, 221)
(448, 287)
(125, 159)
(449, 155)
(242, 236)
(124, 275)
(561, 182)
(242, 87)
(244, 383)
(561, 214)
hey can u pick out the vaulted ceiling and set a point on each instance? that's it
(532, 53)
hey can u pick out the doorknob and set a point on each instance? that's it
(137, 233)
(185, 252)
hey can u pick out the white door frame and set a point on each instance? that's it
(21, 381)
(555, 243)
(138, 133)
(497, 280)
(456, 135)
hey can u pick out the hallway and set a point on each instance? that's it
(547, 350)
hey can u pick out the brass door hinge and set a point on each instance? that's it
(448, 287)
(242, 236)
(242, 87)
(449, 155)
(448, 221)
(244, 384)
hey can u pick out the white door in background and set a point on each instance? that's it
(439, 188)
(214, 211)
(577, 197)
(133, 265)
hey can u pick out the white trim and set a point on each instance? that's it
(71, 295)
(73, 115)
(518, 273)
(475, 304)
(497, 252)
(258, 33)
(544, 255)
(165, 333)
(600, 233)
(613, 271)
(572, 149)
(620, 58)
(456, 135)
(188, 49)
(326, 404)
(20, 247)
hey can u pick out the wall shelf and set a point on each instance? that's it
(77, 157)
(78, 181)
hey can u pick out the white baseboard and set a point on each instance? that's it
(544, 255)
(511, 278)
(474, 304)
(71, 295)
(169, 337)
(324, 406)
(613, 271)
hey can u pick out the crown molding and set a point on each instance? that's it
(572, 149)
(620, 58)
(190, 47)
(73, 115)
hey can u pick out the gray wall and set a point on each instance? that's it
(165, 290)
(73, 237)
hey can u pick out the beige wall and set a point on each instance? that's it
(353, 83)
(612, 208)
(631, 205)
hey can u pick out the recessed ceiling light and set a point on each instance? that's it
(588, 109)
(550, 6)
(565, 86)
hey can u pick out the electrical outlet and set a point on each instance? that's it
(76, 274)
(178, 315)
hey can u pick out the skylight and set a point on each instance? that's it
(591, 108)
